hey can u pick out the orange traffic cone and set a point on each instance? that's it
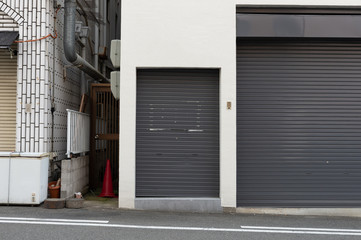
(107, 190)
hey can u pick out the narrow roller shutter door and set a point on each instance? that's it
(299, 124)
(8, 80)
(177, 153)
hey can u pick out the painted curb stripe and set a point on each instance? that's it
(302, 229)
(53, 220)
(242, 230)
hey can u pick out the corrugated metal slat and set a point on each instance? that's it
(8, 80)
(299, 124)
(177, 133)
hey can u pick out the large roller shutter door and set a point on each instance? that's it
(299, 124)
(177, 152)
(8, 74)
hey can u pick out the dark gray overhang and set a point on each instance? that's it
(298, 25)
(7, 38)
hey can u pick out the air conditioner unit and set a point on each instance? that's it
(115, 75)
(115, 53)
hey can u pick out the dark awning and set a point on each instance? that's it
(298, 25)
(7, 38)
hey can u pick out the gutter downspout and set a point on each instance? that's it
(96, 37)
(105, 28)
(69, 43)
(84, 83)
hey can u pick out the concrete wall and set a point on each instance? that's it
(74, 175)
(187, 34)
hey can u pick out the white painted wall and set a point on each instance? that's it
(189, 34)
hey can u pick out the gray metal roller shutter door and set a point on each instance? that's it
(299, 124)
(177, 152)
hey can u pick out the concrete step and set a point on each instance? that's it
(54, 203)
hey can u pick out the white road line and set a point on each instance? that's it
(341, 233)
(302, 229)
(53, 220)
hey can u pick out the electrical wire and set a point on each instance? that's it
(47, 36)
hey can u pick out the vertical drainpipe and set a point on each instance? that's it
(84, 83)
(104, 28)
(105, 21)
(53, 95)
(96, 37)
(69, 43)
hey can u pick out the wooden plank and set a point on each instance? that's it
(84, 100)
(113, 136)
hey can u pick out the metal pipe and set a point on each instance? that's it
(96, 37)
(104, 29)
(84, 83)
(69, 43)
(53, 92)
(105, 21)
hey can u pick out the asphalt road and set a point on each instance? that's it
(39, 223)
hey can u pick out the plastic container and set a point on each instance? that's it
(54, 192)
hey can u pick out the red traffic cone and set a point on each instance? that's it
(107, 190)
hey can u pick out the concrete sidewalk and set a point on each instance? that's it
(93, 202)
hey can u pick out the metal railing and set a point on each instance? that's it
(78, 133)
